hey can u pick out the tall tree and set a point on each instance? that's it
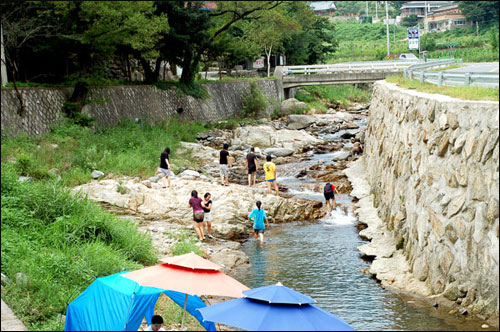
(316, 39)
(20, 24)
(479, 10)
(194, 31)
(271, 30)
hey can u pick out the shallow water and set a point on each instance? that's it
(321, 259)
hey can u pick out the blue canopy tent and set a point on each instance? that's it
(114, 303)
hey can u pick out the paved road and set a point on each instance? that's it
(478, 67)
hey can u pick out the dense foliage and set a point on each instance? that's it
(73, 41)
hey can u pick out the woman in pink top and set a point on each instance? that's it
(198, 214)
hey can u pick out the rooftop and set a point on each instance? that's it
(421, 4)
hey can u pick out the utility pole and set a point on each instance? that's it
(425, 19)
(367, 10)
(387, 24)
(477, 28)
(4, 68)
(376, 10)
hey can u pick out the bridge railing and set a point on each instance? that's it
(419, 71)
(394, 65)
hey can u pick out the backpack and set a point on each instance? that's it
(328, 188)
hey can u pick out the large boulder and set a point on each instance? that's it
(268, 136)
(341, 155)
(231, 205)
(289, 106)
(279, 152)
(295, 121)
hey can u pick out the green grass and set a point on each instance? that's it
(448, 67)
(185, 243)
(465, 93)
(130, 149)
(62, 243)
(321, 97)
(367, 42)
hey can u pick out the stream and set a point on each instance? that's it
(321, 259)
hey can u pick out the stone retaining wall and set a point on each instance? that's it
(432, 164)
(43, 105)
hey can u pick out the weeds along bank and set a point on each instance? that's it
(108, 105)
(54, 245)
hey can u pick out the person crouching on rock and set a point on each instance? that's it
(357, 148)
(206, 204)
(329, 193)
(198, 215)
(258, 216)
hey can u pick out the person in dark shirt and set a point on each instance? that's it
(225, 164)
(206, 204)
(198, 214)
(252, 166)
(165, 167)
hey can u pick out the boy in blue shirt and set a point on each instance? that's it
(258, 216)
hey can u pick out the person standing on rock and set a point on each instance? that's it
(206, 204)
(270, 169)
(258, 216)
(225, 164)
(329, 193)
(165, 167)
(198, 214)
(252, 166)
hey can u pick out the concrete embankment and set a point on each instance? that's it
(147, 103)
(428, 190)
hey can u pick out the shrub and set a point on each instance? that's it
(254, 101)
(73, 111)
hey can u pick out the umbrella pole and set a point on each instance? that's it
(184, 311)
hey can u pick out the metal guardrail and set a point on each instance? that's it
(484, 79)
(395, 65)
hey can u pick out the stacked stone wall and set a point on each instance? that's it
(111, 104)
(433, 167)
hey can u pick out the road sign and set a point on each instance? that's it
(413, 40)
(259, 63)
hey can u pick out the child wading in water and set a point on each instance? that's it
(258, 216)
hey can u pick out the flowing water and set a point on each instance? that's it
(321, 259)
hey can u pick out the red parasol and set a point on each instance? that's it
(190, 274)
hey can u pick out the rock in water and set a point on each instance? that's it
(295, 121)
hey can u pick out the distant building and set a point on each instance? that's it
(205, 5)
(418, 7)
(446, 18)
(323, 8)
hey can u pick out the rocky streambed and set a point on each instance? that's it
(313, 146)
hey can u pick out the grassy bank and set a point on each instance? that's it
(55, 244)
(321, 97)
(72, 151)
(460, 92)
